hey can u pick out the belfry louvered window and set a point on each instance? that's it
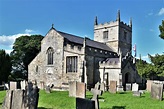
(50, 53)
(71, 64)
(105, 35)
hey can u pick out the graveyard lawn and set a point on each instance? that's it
(61, 100)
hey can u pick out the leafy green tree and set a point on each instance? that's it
(5, 66)
(151, 70)
(161, 29)
(25, 49)
(158, 63)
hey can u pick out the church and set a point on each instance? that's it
(66, 57)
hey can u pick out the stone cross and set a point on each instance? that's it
(96, 92)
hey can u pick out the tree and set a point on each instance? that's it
(5, 66)
(152, 70)
(161, 29)
(158, 63)
(25, 49)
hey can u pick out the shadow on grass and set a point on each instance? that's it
(121, 92)
(118, 107)
(44, 108)
(100, 97)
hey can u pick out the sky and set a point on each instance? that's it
(27, 17)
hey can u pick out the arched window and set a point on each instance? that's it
(50, 53)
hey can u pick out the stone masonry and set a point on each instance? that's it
(84, 60)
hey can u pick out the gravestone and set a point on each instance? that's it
(128, 86)
(23, 85)
(102, 86)
(84, 103)
(6, 86)
(13, 85)
(96, 92)
(22, 99)
(17, 99)
(120, 88)
(135, 87)
(41, 84)
(8, 99)
(32, 96)
(47, 89)
(72, 89)
(148, 85)
(97, 85)
(157, 91)
(77, 89)
(113, 87)
(80, 90)
(136, 93)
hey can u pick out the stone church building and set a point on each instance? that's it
(66, 57)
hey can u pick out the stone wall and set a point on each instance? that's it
(39, 70)
(119, 35)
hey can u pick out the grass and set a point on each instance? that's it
(2, 96)
(60, 100)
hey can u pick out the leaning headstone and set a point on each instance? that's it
(13, 85)
(80, 90)
(84, 103)
(6, 87)
(8, 99)
(135, 87)
(113, 87)
(17, 99)
(22, 99)
(128, 87)
(96, 92)
(148, 85)
(157, 91)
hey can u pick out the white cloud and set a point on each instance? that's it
(29, 31)
(161, 12)
(6, 42)
(8, 51)
(9, 40)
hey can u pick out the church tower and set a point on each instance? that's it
(116, 34)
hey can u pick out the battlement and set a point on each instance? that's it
(112, 24)
(125, 24)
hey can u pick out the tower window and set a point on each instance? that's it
(125, 35)
(50, 53)
(37, 69)
(72, 46)
(79, 48)
(71, 64)
(105, 35)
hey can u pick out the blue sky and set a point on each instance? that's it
(26, 17)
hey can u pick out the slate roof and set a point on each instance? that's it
(89, 42)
